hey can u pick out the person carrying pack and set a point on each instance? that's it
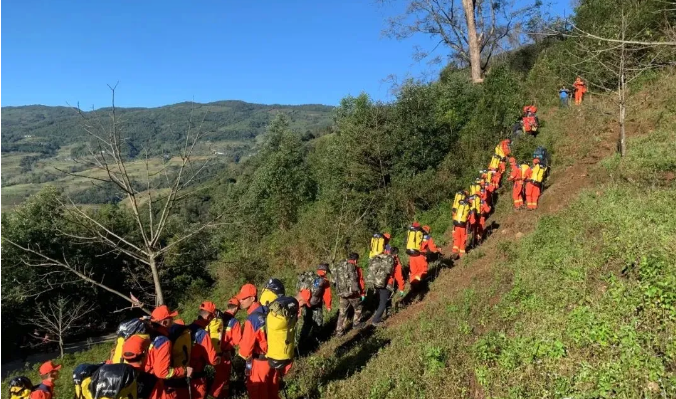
(459, 196)
(272, 289)
(475, 186)
(262, 380)
(383, 276)
(350, 288)
(534, 184)
(22, 387)
(135, 354)
(82, 377)
(127, 329)
(378, 243)
(460, 228)
(313, 289)
(114, 381)
(517, 183)
(542, 154)
(230, 337)
(414, 237)
(171, 367)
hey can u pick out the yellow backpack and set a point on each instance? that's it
(181, 338)
(495, 162)
(273, 289)
(21, 388)
(82, 377)
(377, 245)
(414, 238)
(125, 331)
(280, 325)
(215, 331)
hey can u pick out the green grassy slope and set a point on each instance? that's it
(577, 299)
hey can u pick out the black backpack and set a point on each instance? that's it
(542, 154)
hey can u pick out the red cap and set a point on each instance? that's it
(512, 160)
(426, 228)
(47, 367)
(208, 306)
(162, 312)
(416, 224)
(134, 347)
(247, 291)
(536, 160)
(387, 235)
(233, 301)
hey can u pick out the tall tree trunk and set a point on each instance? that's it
(159, 297)
(622, 93)
(61, 346)
(473, 39)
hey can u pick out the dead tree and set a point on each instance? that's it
(610, 64)
(151, 209)
(473, 30)
(60, 318)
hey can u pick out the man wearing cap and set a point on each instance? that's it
(202, 353)
(262, 381)
(313, 311)
(135, 354)
(49, 372)
(230, 338)
(159, 357)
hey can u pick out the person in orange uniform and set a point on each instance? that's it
(49, 372)
(580, 88)
(135, 354)
(460, 228)
(313, 314)
(262, 381)
(503, 150)
(384, 293)
(169, 378)
(485, 210)
(517, 183)
(474, 217)
(202, 352)
(534, 184)
(229, 339)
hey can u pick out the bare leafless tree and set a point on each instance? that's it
(151, 208)
(474, 30)
(624, 58)
(59, 318)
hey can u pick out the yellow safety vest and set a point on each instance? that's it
(538, 173)
(462, 214)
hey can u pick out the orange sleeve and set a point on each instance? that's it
(248, 341)
(212, 356)
(305, 296)
(233, 333)
(327, 295)
(40, 394)
(398, 274)
(432, 246)
(362, 286)
(162, 364)
(262, 340)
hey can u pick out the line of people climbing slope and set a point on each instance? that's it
(159, 357)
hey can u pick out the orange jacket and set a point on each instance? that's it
(428, 245)
(397, 275)
(254, 342)
(360, 275)
(159, 358)
(580, 85)
(203, 351)
(306, 295)
(43, 391)
(232, 336)
(514, 173)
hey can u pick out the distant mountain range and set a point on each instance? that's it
(44, 129)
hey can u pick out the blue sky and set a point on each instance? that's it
(163, 52)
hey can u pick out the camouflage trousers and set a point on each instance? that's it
(343, 308)
(313, 319)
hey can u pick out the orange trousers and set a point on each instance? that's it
(161, 392)
(517, 195)
(578, 97)
(263, 383)
(219, 388)
(495, 181)
(459, 239)
(532, 195)
(419, 267)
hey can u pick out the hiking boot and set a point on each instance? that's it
(377, 323)
(359, 325)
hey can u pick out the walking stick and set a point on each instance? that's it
(189, 387)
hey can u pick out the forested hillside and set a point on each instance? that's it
(573, 300)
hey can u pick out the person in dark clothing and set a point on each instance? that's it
(384, 293)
